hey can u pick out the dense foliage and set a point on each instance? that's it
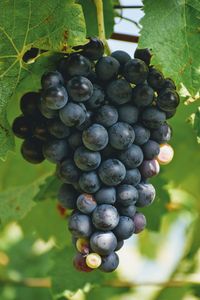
(34, 245)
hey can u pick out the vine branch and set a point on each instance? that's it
(128, 6)
(125, 37)
(46, 283)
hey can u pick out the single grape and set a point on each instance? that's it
(112, 172)
(72, 114)
(55, 97)
(52, 78)
(133, 177)
(143, 95)
(55, 150)
(58, 129)
(119, 91)
(31, 150)
(132, 157)
(107, 68)
(47, 112)
(162, 134)
(124, 229)
(146, 193)
(89, 182)
(103, 243)
(21, 127)
(67, 196)
(165, 155)
(109, 263)
(143, 54)
(74, 65)
(107, 115)
(149, 168)
(139, 221)
(150, 149)
(29, 103)
(128, 211)
(105, 217)
(83, 245)
(120, 244)
(86, 203)
(153, 118)
(128, 114)
(75, 140)
(93, 260)
(87, 160)
(79, 263)
(97, 98)
(121, 135)
(80, 89)
(106, 195)
(68, 172)
(135, 71)
(95, 137)
(80, 225)
(168, 100)
(122, 57)
(142, 134)
(155, 79)
(93, 50)
(126, 195)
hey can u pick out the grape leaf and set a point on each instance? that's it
(55, 26)
(195, 122)
(90, 14)
(16, 202)
(48, 189)
(171, 30)
(53, 227)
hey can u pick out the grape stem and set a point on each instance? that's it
(100, 19)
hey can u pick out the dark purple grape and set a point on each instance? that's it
(31, 150)
(105, 217)
(22, 128)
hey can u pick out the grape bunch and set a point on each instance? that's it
(103, 121)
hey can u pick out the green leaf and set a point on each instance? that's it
(48, 189)
(55, 26)
(90, 14)
(45, 221)
(195, 122)
(171, 30)
(16, 202)
(66, 278)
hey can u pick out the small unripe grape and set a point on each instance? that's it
(83, 245)
(166, 154)
(93, 260)
(79, 263)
